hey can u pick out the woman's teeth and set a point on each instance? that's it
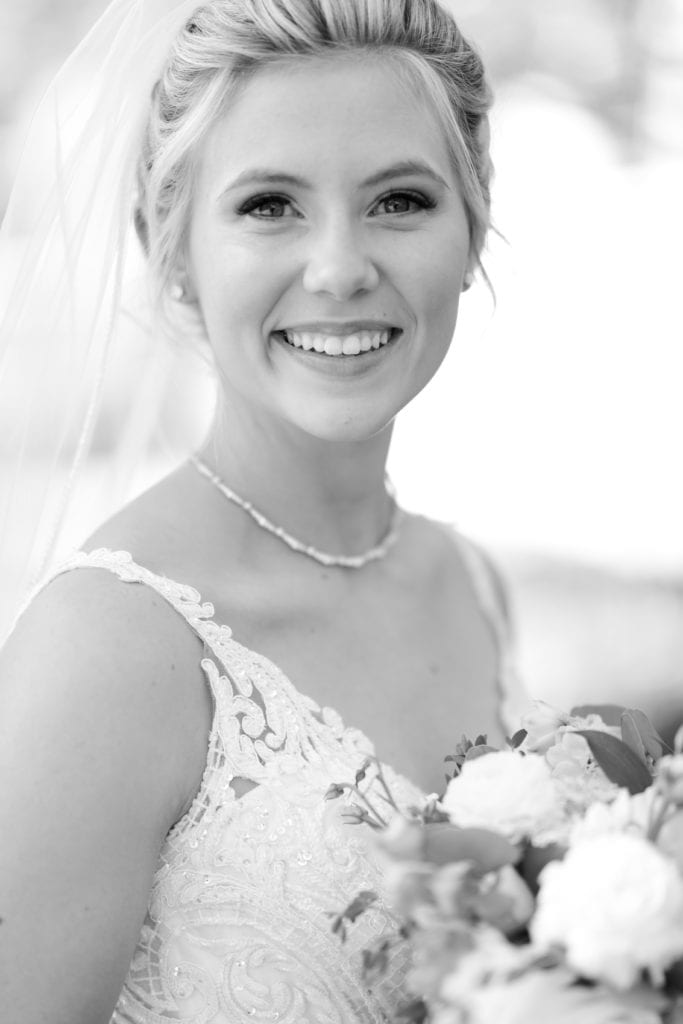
(337, 344)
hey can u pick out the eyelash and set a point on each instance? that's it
(251, 205)
(419, 198)
(254, 202)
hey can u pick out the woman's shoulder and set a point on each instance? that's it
(447, 551)
(82, 611)
(86, 632)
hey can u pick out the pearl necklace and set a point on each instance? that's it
(345, 561)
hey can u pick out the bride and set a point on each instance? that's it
(177, 698)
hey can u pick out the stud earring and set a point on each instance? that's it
(178, 292)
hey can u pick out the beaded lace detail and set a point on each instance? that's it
(238, 923)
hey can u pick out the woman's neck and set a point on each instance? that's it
(330, 495)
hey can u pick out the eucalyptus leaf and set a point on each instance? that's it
(617, 760)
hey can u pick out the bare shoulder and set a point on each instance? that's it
(95, 649)
(102, 730)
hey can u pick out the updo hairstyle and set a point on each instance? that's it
(226, 41)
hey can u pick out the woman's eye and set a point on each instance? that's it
(268, 208)
(402, 202)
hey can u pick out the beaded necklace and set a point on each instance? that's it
(344, 561)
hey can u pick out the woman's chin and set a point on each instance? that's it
(352, 425)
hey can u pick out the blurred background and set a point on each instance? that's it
(552, 433)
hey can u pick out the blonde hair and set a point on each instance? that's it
(225, 41)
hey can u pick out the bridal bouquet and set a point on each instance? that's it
(545, 884)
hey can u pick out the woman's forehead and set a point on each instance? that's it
(349, 113)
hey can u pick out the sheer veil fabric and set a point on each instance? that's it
(75, 315)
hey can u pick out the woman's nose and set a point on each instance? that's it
(339, 265)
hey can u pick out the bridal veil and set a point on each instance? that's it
(75, 317)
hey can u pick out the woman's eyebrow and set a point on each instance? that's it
(264, 176)
(403, 169)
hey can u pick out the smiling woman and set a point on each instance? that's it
(308, 180)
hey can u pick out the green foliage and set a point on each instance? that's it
(467, 750)
(617, 760)
(375, 959)
(358, 905)
(516, 739)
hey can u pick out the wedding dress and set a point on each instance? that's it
(238, 925)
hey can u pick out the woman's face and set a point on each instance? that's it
(327, 246)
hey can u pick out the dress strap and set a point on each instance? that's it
(185, 599)
(491, 594)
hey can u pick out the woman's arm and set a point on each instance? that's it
(104, 719)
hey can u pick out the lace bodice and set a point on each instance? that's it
(238, 924)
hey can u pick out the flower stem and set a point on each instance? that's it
(373, 810)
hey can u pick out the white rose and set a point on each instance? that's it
(615, 904)
(506, 792)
